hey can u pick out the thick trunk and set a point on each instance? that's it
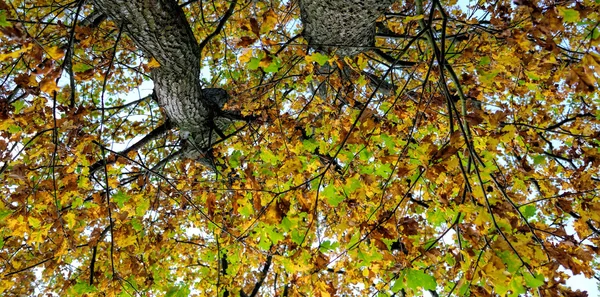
(346, 27)
(161, 30)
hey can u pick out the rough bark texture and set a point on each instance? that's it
(161, 30)
(346, 27)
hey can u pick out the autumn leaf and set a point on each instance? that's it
(269, 21)
(569, 15)
(48, 85)
(255, 27)
(151, 64)
(55, 53)
(317, 57)
(3, 22)
(15, 53)
(245, 41)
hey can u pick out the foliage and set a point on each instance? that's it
(460, 155)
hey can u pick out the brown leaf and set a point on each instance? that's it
(246, 41)
(255, 27)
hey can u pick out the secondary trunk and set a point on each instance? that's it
(346, 27)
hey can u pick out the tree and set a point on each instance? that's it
(299, 148)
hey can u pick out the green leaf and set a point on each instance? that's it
(178, 291)
(533, 282)
(352, 185)
(18, 105)
(286, 224)
(5, 213)
(273, 67)
(327, 246)
(501, 289)
(142, 206)
(269, 157)
(532, 75)
(429, 244)
(14, 129)
(83, 288)
(297, 236)
(516, 287)
(3, 22)
(595, 34)
(398, 285)
(462, 291)
(246, 210)
(569, 15)
(484, 61)
(333, 197)
(81, 67)
(528, 211)
(539, 159)
(275, 236)
(436, 217)
(137, 226)
(253, 63)
(120, 198)
(417, 278)
(511, 261)
(34, 222)
(318, 57)
(234, 159)
(384, 170)
(265, 243)
(355, 238)
(488, 77)
(310, 145)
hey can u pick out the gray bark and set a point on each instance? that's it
(161, 30)
(346, 27)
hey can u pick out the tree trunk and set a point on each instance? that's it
(346, 27)
(161, 30)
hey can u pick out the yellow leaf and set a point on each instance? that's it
(36, 237)
(48, 85)
(6, 284)
(269, 21)
(55, 52)
(589, 60)
(124, 242)
(70, 219)
(17, 226)
(34, 222)
(113, 183)
(246, 56)
(414, 18)
(15, 54)
(153, 63)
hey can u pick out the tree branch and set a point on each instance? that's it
(263, 275)
(220, 26)
(154, 134)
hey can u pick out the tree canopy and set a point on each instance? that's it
(299, 148)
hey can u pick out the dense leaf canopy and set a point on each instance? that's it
(299, 148)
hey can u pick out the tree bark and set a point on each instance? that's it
(346, 27)
(160, 28)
